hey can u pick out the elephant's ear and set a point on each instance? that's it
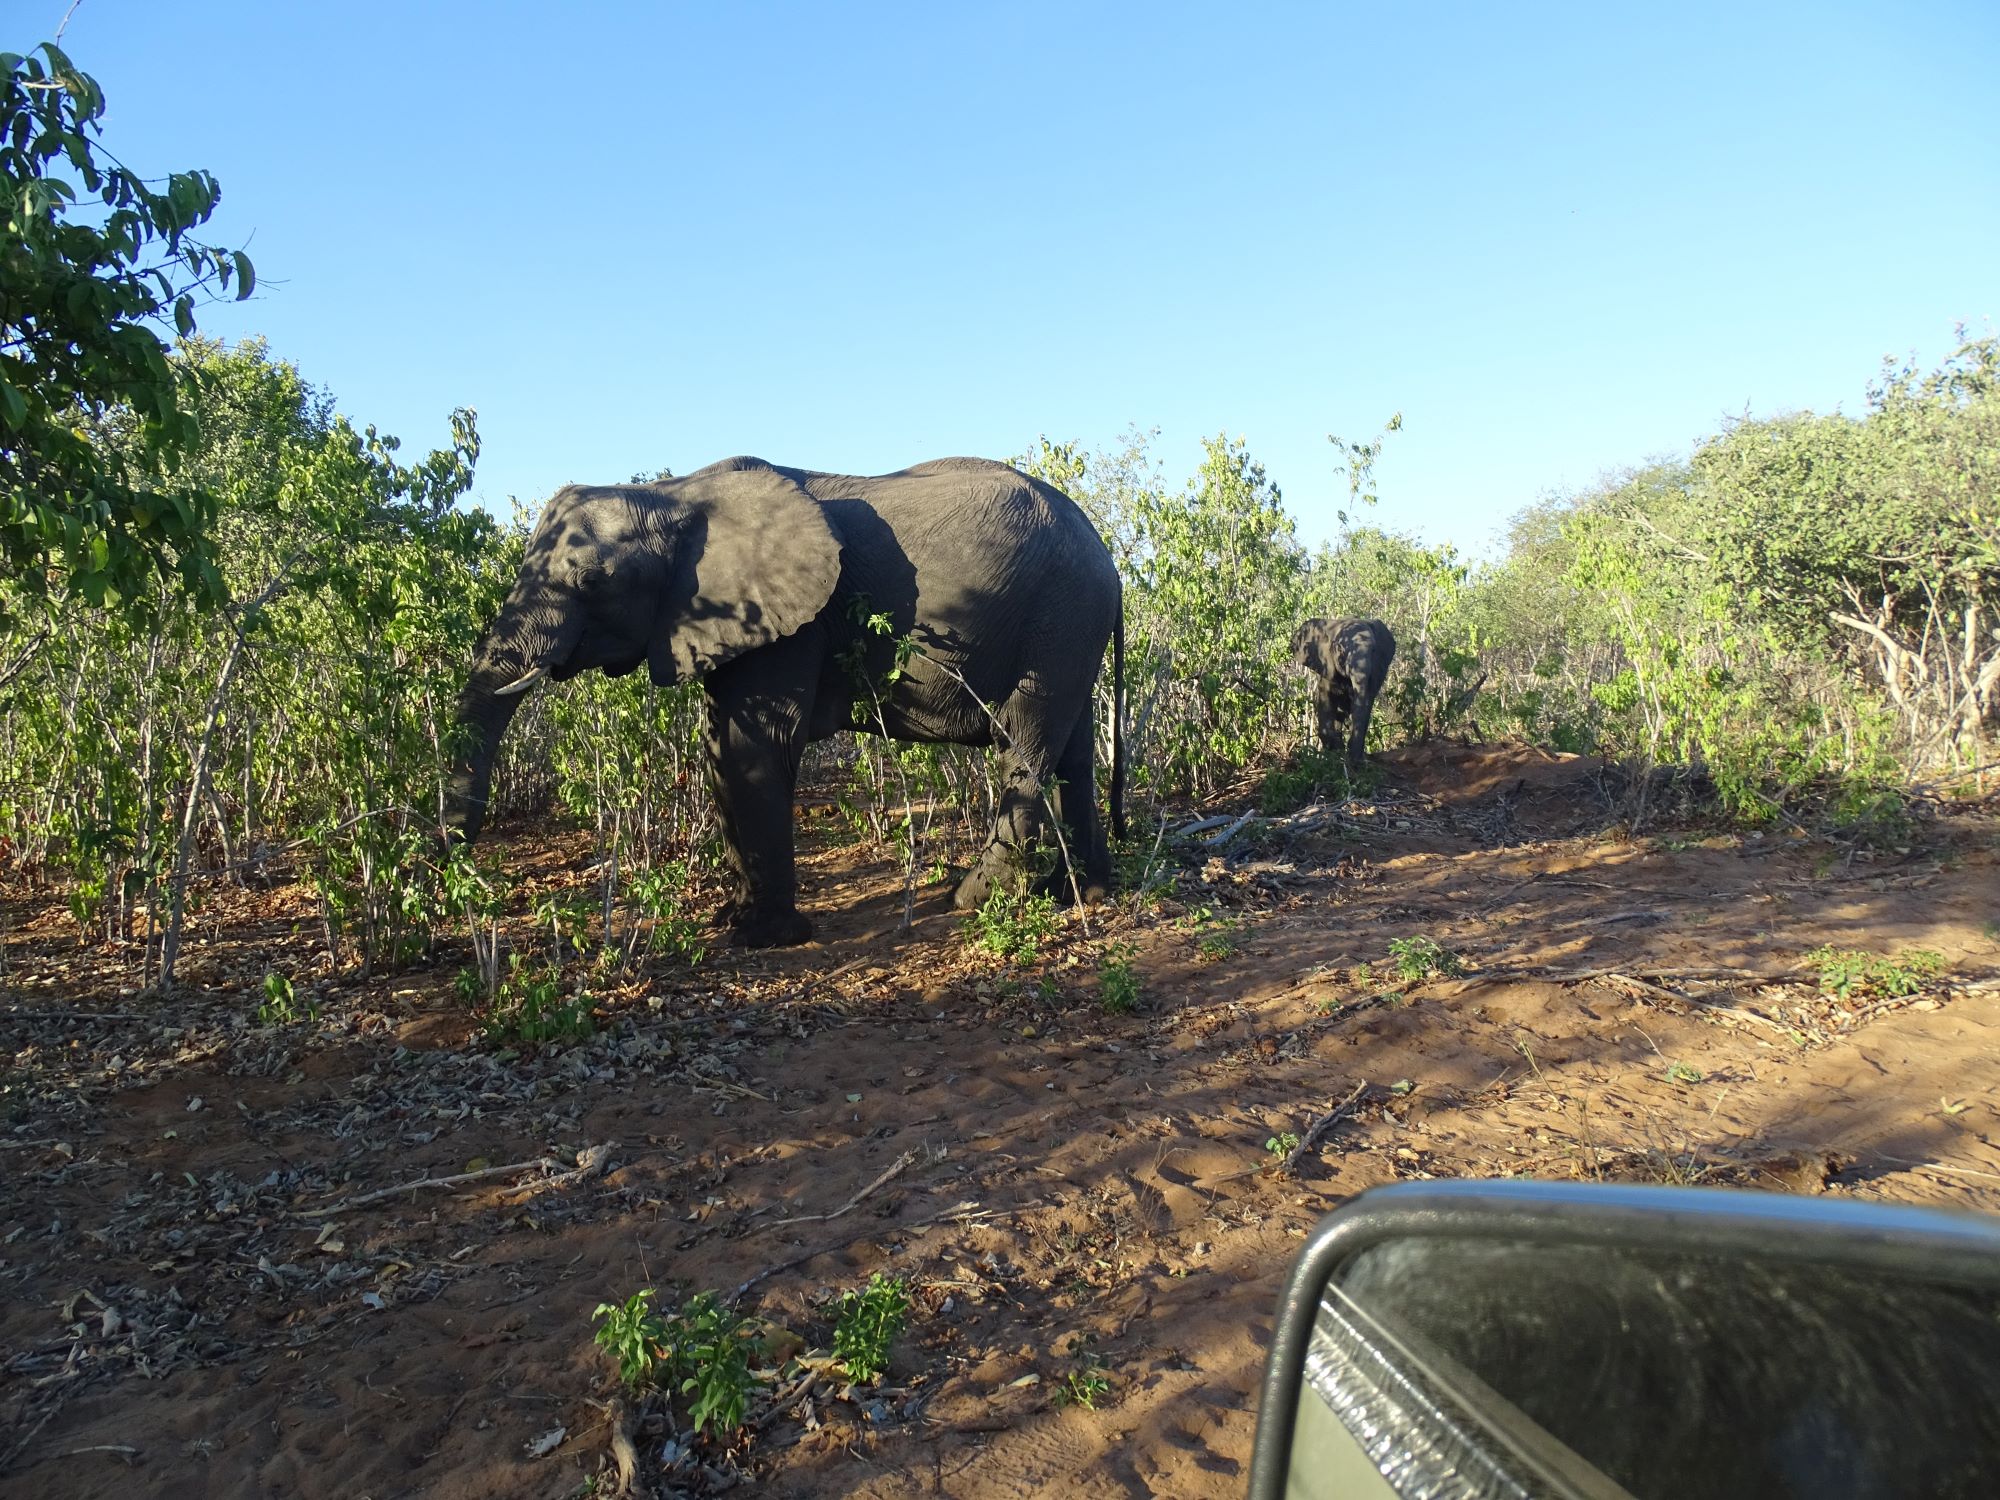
(754, 561)
(1306, 646)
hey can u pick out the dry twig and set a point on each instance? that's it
(1321, 1126)
(1938, 1166)
(966, 1209)
(589, 1162)
(623, 1452)
(895, 1169)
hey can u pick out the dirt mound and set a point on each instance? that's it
(1459, 775)
(1508, 788)
(213, 1287)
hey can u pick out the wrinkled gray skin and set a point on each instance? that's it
(755, 579)
(1349, 661)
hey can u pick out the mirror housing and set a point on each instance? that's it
(1600, 1341)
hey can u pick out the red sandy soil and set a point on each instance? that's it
(1064, 1190)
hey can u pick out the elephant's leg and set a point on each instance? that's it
(1076, 807)
(758, 712)
(1329, 718)
(1018, 819)
(1357, 740)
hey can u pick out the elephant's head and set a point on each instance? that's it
(1311, 647)
(681, 575)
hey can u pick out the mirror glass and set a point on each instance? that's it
(1508, 1367)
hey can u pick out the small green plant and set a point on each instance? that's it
(1854, 974)
(1218, 934)
(1680, 1072)
(1418, 958)
(708, 1358)
(1364, 976)
(280, 1005)
(634, 1335)
(1117, 982)
(868, 1324)
(698, 1351)
(1084, 1387)
(531, 1009)
(1214, 947)
(469, 987)
(1283, 1144)
(1012, 927)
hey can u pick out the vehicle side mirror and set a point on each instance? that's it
(1598, 1342)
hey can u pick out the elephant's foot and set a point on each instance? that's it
(972, 891)
(769, 927)
(1095, 889)
(999, 869)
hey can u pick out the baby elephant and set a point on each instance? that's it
(1350, 660)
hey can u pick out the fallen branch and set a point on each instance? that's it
(1577, 976)
(1734, 1011)
(30, 1435)
(896, 1168)
(725, 1086)
(1640, 914)
(1321, 1126)
(964, 1209)
(1938, 1166)
(458, 1179)
(1218, 840)
(1201, 825)
(589, 1162)
(783, 1400)
(623, 1453)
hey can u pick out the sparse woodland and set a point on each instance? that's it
(1802, 621)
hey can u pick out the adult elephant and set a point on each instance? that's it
(787, 592)
(1349, 661)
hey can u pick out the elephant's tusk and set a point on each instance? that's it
(523, 683)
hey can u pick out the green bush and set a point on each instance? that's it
(532, 1009)
(1117, 980)
(1856, 974)
(1012, 927)
(1418, 958)
(699, 1352)
(868, 1323)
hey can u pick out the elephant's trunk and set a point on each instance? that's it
(513, 649)
(483, 716)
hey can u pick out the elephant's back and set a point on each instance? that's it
(977, 509)
(955, 466)
(1003, 572)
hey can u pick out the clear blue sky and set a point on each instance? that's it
(1558, 239)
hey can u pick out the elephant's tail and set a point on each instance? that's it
(1118, 721)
